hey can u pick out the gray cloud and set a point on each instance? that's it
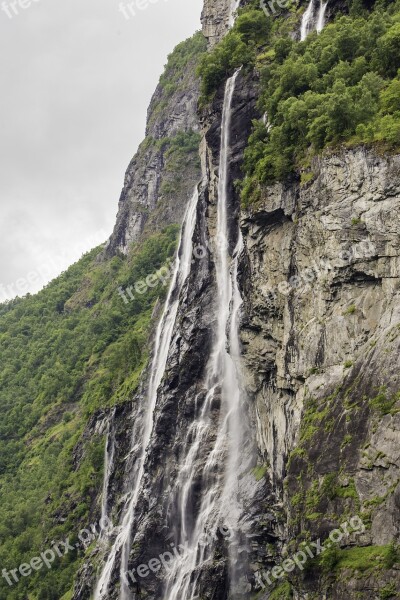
(77, 78)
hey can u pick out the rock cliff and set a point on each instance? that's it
(155, 193)
(216, 18)
(320, 332)
(321, 347)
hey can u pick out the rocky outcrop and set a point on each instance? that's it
(182, 390)
(320, 334)
(321, 343)
(216, 18)
(155, 192)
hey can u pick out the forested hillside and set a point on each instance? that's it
(306, 136)
(68, 353)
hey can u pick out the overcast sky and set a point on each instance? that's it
(76, 79)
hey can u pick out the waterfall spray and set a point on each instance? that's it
(321, 16)
(222, 383)
(122, 543)
(312, 20)
(109, 452)
(222, 458)
(307, 21)
(234, 6)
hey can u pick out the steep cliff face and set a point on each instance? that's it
(155, 193)
(319, 277)
(216, 18)
(240, 439)
(157, 520)
(321, 347)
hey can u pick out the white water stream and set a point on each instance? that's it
(109, 452)
(313, 19)
(321, 16)
(122, 543)
(219, 443)
(234, 7)
(218, 507)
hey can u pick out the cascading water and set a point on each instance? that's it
(321, 16)
(307, 21)
(311, 20)
(234, 6)
(109, 452)
(122, 542)
(216, 440)
(217, 445)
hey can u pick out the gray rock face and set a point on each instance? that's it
(321, 342)
(154, 191)
(320, 335)
(215, 19)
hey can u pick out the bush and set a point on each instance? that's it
(334, 87)
(237, 49)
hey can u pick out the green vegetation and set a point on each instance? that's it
(365, 558)
(389, 591)
(239, 48)
(66, 352)
(181, 154)
(383, 404)
(341, 86)
(351, 310)
(181, 65)
(260, 472)
(313, 415)
(282, 592)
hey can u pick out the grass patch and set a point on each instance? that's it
(282, 592)
(383, 404)
(367, 558)
(260, 472)
(350, 311)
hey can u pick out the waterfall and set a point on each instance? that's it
(311, 20)
(307, 21)
(109, 452)
(321, 16)
(217, 446)
(234, 7)
(122, 542)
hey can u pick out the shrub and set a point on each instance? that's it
(339, 86)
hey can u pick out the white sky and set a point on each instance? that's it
(76, 81)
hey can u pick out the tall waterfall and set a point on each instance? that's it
(234, 6)
(218, 508)
(313, 19)
(109, 452)
(321, 16)
(307, 21)
(122, 542)
(215, 436)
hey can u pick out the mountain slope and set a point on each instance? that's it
(299, 139)
(77, 348)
